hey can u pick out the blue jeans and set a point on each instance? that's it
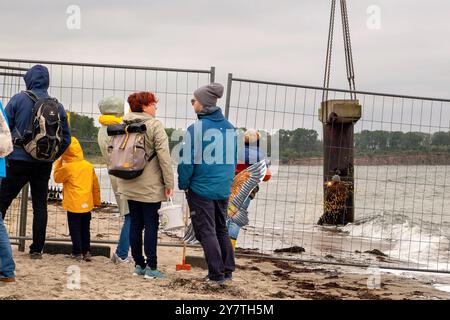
(7, 265)
(233, 228)
(124, 241)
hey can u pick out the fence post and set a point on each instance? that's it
(227, 102)
(23, 218)
(213, 75)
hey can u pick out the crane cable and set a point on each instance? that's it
(347, 48)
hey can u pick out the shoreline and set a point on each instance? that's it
(435, 159)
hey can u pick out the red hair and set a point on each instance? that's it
(139, 99)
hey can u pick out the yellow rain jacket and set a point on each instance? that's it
(81, 191)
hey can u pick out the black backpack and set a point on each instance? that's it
(43, 138)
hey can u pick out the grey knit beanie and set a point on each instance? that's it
(208, 95)
(112, 105)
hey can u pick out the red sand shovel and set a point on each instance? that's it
(184, 265)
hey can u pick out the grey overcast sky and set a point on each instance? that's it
(281, 40)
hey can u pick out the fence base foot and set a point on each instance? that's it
(197, 262)
(66, 248)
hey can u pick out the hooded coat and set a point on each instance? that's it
(81, 191)
(19, 111)
(250, 155)
(158, 173)
(208, 178)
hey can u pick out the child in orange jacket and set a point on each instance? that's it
(81, 193)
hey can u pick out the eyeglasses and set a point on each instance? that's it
(193, 101)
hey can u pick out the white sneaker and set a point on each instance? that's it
(118, 260)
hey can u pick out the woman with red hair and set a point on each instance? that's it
(146, 192)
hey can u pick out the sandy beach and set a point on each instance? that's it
(50, 278)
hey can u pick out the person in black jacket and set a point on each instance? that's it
(21, 168)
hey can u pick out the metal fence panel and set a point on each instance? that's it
(10, 83)
(401, 199)
(79, 87)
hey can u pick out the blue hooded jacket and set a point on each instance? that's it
(2, 160)
(20, 107)
(200, 172)
(251, 154)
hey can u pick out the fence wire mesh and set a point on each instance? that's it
(401, 148)
(80, 87)
(401, 180)
(10, 83)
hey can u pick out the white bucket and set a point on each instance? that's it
(171, 216)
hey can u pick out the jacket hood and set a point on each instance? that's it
(112, 106)
(37, 78)
(136, 117)
(215, 116)
(109, 120)
(74, 152)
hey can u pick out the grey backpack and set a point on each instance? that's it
(126, 150)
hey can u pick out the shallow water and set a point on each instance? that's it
(403, 211)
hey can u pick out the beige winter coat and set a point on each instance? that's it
(158, 173)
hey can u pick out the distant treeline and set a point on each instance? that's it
(397, 141)
(302, 143)
(84, 129)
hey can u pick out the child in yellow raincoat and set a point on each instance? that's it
(81, 193)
